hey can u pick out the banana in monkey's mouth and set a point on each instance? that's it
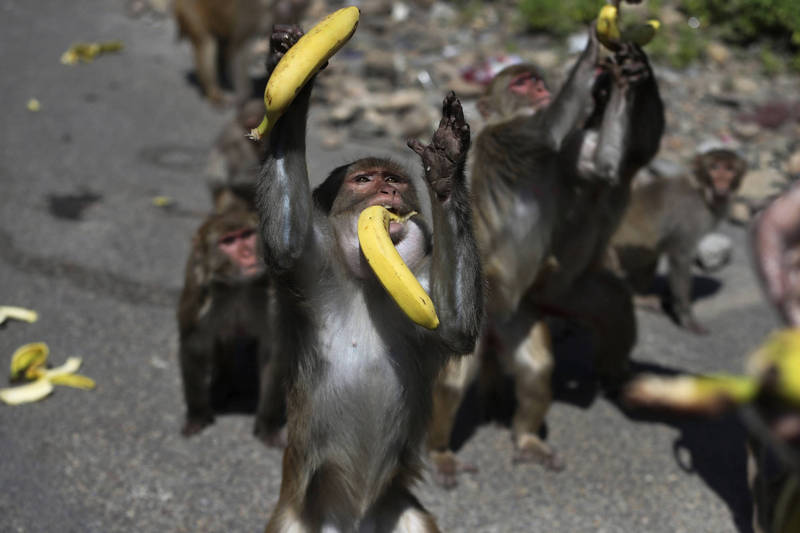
(374, 229)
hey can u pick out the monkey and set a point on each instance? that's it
(227, 27)
(670, 216)
(234, 158)
(361, 383)
(550, 177)
(228, 344)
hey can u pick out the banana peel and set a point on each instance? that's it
(86, 52)
(389, 268)
(611, 35)
(774, 368)
(299, 64)
(28, 364)
(17, 313)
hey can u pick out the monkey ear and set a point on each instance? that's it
(326, 192)
(483, 106)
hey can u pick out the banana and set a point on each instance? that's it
(781, 352)
(302, 61)
(388, 266)
(17, 313)
(610, 34)
(607, 29)
(27, 360)
(29, 392)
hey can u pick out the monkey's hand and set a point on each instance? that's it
(444, 159)
(628, 66)
(283, 37)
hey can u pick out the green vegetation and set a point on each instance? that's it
(559, 17)
(775, 24)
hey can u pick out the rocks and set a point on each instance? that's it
(718, 53)
(760, 184)
(714, 251)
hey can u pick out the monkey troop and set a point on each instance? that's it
(362, 374)
(670, 216)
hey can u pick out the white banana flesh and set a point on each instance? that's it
(389, 268)
(302, 61)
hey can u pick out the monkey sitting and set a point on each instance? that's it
(227, 342)
(234, 158)
(670, 216)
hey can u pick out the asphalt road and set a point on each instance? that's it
(81, 243)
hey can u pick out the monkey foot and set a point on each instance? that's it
(531, 449)
(194, 426)
(273, 438)
(446, 468)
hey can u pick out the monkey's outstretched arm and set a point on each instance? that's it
(574, 102)
(456, 279)
(633, 119)
(284, 194)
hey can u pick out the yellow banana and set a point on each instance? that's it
(641, 34)
(388, 266)
(27, 360)
(607, 29)
(302, 61)
(29, 392)
(17, 313)
(782, 353)
(610, 34)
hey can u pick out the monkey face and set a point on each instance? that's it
(722, 175)
(531, 88)
(241, 247)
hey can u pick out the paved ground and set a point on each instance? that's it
(81, 243)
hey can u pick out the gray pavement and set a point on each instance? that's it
(113, 134)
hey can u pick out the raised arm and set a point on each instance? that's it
(284, 194)
(456, 279)
(574, 102)
(632, 120)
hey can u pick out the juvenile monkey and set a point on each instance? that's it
(227, 27)
(228, 344)
(670, 216)
(360, 393)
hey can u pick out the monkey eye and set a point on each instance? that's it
(228, 240)
(361, 178)
(393, 179)
(247, 233)
(522, 80)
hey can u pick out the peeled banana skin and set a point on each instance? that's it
(302, 61)
(27, 359)
(389, 268)
(28, 363)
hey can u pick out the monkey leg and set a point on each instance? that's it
(448, 393)
(532, 368)
(196, 360)
(603, 302)
(205, 60)
(398, 511)
(271, 410)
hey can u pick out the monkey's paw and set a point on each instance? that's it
(628, 65)
(443, 159)
(283, 37)
(531, 449)
(195, 425)
(446, 467)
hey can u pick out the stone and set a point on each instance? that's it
(739, 213)
(714, 251)
(761, 183)
(718, 53)
(793, 164)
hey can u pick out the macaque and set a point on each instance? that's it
(227, 27)
(363, 373)
(670, 216)
(550, 179)
(234, 158)
(228, 343)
